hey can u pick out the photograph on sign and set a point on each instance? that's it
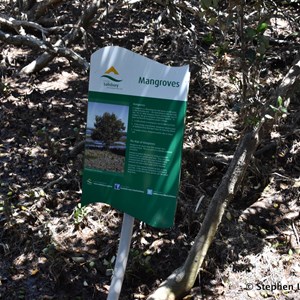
(106, 136)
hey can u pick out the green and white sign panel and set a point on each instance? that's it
(134, 135)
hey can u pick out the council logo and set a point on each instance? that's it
(112, 74)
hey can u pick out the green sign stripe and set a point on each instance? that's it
(111, 78)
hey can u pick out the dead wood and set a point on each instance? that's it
(23, 40)
(77, 149)
(183, 278)
(18, 24)
(290, 84)
(62, 46)
(213, 158)
(34, 42)
(44, 59)
(85, 21)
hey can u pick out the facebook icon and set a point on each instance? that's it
(117, 186)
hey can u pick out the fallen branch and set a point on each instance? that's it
(44, 59)
(24, 40)
(54, 182)
(34, 42)
(85, 21)
(17, 24)
(217, 158)
(77, 149)
(40, 62)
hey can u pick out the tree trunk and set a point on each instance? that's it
(183, 278)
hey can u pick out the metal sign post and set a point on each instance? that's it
(122, 257)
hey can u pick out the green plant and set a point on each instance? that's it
(280, 106)
(141, 260)
(80, 213)
(5, 88)
(257, 42)
(208, 39)
(109, 263)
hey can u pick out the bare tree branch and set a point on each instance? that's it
(33, 42)
(16, 24)
(24, 40)
(43, 60)
(61, 46)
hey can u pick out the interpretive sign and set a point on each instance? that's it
(135, 125)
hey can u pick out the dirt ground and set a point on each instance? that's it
(50, 248)
(104, 160)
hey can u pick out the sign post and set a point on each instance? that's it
(134, 136)
(122, 257)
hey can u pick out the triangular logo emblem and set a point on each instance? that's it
(112, 69)
(107, 74)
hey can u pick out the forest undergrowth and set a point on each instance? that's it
(52, 248)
